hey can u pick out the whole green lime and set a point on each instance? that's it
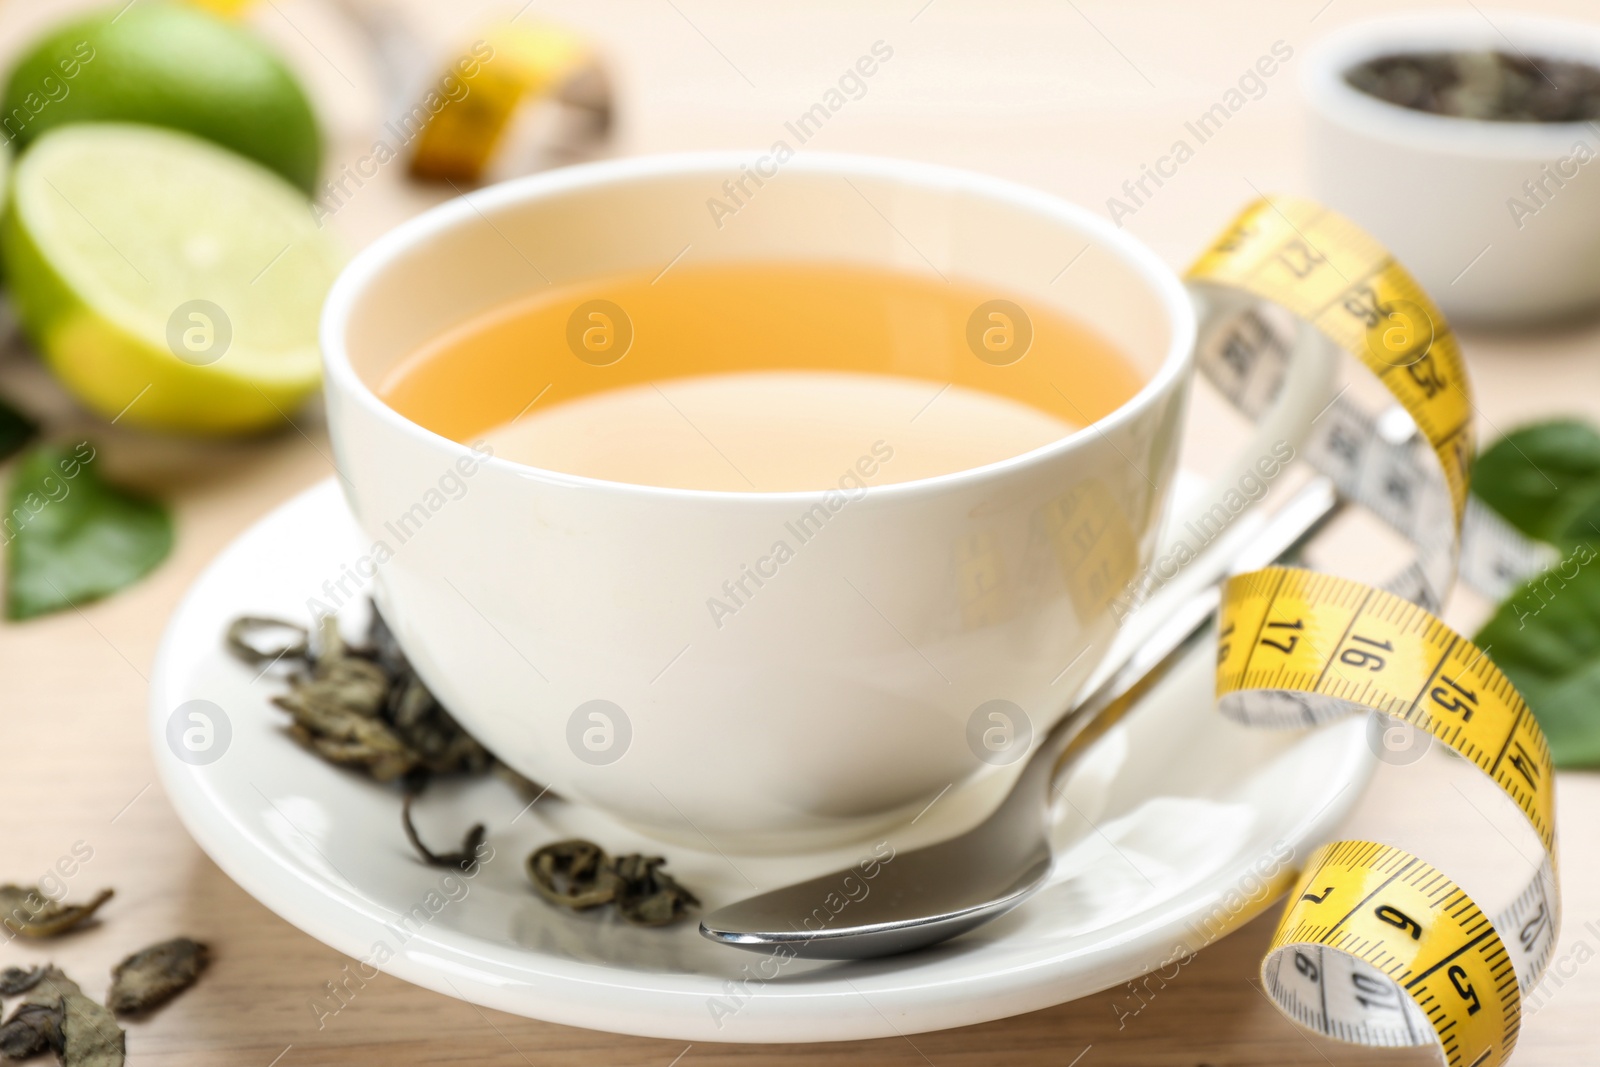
(167, 64)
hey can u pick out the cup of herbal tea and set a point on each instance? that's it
(1469, 147)
(758, 500)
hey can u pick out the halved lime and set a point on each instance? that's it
(167, 281)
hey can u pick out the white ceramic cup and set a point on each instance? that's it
(1498, 221)
(564, 619)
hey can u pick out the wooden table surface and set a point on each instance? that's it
(1068, 95)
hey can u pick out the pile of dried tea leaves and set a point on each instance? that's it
(1490, 86)
(578, 874)
(365, 708)
(362, 708)
(54, 1014)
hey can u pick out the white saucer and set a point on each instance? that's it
(1188, 811)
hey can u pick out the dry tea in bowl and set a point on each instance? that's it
(1488, 86)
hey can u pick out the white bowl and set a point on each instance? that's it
(1447, 195)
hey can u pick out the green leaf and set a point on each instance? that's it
(1546, 638)
(16, 430)
(73, 537)
(1545, 480)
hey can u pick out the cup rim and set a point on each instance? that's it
(1322, 80)
(368, 264)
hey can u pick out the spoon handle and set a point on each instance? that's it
(1170, 643)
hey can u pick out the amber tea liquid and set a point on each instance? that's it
(763, 377)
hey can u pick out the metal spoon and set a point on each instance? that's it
(935, 892)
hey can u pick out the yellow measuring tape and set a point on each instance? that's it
(1376, 946)
(511, 67)
(463, 119)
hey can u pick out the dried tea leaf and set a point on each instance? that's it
(573, 874)
(353, 741)
(647, 895)
(464, 860)
(255, 640)
(578, 874)
(152, 976)
(26, 911)
(32, 1030)
(35, 1027)
(340, 679)
(17, 980)
(90, 1036)
(319, 709)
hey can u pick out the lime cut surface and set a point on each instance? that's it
(156, 270)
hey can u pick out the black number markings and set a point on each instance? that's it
(1294, 639)
(1397, 918)
(1455, 698)
(1360, 657)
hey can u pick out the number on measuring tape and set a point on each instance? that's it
(1376, 946)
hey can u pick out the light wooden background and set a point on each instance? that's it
(1069, 95)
